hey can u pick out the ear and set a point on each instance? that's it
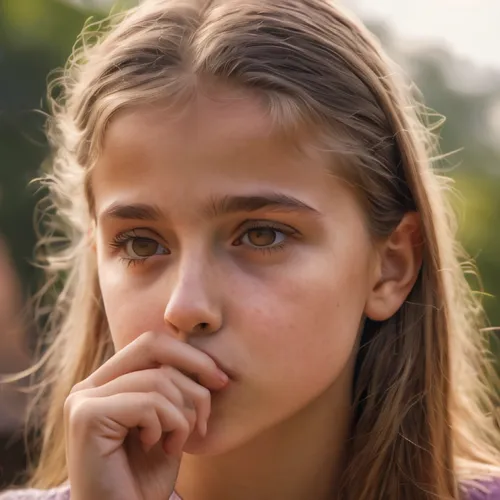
(398, 264)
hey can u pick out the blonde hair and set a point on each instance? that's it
(424, 420)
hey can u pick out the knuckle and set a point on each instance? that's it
(159, 382)
(149, 413)
(71, 402)
(149, 343)
(168, 371)
(77, 410)
(77, 387)
(191, 422)
(160, 409)
(155, 399)
(169, 386)
(161, 386)
(204, 394)
(166, 389)
(184, 426)
(158, 385)
(175, 395)
(147, 402)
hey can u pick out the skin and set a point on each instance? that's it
(283, 324)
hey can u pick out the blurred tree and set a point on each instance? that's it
(475, 166)
(35, 38)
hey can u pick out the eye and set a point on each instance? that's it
(137, 249)
(263, 237)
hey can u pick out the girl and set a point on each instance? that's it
(262, 294)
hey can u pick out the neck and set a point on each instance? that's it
(299, 458)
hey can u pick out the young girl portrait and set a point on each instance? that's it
(260, 295)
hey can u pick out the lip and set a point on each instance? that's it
(228, 371)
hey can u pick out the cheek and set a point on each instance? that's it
(305, 317)
(130, 310)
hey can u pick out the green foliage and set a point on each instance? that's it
(35, 38)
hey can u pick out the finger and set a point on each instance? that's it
(151, 350)
(151, 380)
(199, 396)
(112, 417)
(190, 397)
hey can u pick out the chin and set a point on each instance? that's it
(218, 441)
(209, 445)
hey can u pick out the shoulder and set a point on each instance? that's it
(59, 493)
(489, 489)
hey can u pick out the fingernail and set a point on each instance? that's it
(222, 377)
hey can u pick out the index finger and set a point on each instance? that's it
(153, 349)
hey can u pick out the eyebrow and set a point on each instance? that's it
(216, 207)
(138, 211)
(273, 201)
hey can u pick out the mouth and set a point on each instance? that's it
(228, 371)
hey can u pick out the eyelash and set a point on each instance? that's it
(119, 242)
(121, 239)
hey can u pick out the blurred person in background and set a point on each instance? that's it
(14, 357)
(14, 354)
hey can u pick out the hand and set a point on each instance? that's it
(126, 424)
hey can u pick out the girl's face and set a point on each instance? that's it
(240, 231)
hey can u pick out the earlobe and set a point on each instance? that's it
(400, 260)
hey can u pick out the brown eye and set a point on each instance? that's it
(262, 236)
(142, 247)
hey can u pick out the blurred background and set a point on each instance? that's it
(449, 47)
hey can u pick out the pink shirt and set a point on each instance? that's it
(59, 493)
(63, 493)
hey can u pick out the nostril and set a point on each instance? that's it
(202, 327)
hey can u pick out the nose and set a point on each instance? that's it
(194, 307)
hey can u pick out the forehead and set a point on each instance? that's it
(211, 117)
(215, 143)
